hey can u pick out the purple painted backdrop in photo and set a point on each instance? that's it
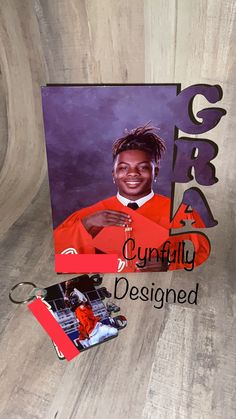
(82, 122)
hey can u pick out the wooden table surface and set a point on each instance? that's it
(174, 362)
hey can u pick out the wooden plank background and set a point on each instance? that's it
(177, 362)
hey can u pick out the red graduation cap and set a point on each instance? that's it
(146, 233)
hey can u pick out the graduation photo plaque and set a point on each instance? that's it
(114, 156)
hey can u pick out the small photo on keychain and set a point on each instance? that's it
(80, 310)
(74, 313)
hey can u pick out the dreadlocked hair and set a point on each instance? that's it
(142, 138)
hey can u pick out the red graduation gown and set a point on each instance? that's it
(151, 221)
(87, 320)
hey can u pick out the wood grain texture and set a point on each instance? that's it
(22, 68)
(175, 362)
(92, 41)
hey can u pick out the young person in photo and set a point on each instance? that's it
(91, 330)
(136, 158)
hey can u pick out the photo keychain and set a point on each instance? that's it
(72, 313)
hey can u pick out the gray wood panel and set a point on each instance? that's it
(174, 362)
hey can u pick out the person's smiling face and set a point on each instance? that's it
(133, 173)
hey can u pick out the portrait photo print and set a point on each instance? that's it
(110, 151)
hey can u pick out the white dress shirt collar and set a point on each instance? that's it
(140, 201)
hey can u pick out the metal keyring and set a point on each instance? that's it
(31, 297)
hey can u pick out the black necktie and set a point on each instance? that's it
(133, 205)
